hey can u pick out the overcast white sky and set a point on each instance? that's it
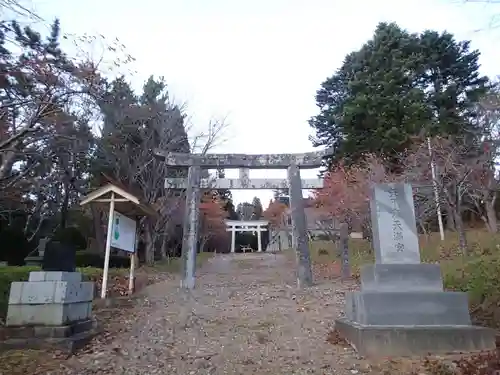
(259, 63)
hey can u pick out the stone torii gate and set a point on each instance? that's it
(246, 226)
(244, 162)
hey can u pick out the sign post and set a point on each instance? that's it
(124, 237)
(123, 232)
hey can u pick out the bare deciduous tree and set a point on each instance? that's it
(345, 196)
(153, 123)
(462, 166)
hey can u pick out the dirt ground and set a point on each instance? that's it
(244, 317)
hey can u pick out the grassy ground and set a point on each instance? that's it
(476, 273)
(174, 264)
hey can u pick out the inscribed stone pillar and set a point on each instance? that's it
(190, 232)
(299, 229)
(394, 227)
(402, 308)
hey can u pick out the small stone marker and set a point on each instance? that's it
(402, 308)
(59, 257)
(42, 245)
(54, 307)
(344, 250)
(37, 260)
(50, 309)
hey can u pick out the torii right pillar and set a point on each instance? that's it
(299, 227)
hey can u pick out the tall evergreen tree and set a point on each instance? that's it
(257, 209)
(244, 211)
(396, 86)
(134, 126)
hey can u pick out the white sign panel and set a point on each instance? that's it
(124, 231)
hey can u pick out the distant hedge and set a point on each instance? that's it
(15, 246)
(92, 259)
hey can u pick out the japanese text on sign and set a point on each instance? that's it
(397, 228)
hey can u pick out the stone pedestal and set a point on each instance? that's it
(402, 308)
(51, 308)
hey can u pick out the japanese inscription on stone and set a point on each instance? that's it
(397, 228)
(394, 228)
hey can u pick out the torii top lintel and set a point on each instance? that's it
(308, 160)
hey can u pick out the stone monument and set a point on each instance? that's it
(37, 260)
(59, 257)
(402, 308)
(54, 307)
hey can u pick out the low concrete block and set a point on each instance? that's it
(47, 292)
(401, 277)
(382, 341)
(408, 308)
(48, 314)
(28, 332)
(67, 345)
(72, 277)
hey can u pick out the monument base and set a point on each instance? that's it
(67, 338)
(401, 277)
(408, 308)
(50, 298)
(51, 309)
(380, 341)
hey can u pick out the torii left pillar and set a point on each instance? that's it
(190, 237)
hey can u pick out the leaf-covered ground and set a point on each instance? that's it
(245, 317)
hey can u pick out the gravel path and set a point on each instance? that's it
(244, 317)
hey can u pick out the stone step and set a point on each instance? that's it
(401, 277)
(383, 341)
(408, 308)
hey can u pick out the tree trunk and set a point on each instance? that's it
(149, 254)
(164, 247)
(8, 161)
(462, 238)
(424, 230)
(203, 243)
(450, 219)
(98, 228)
(65, 207)
(491, 216)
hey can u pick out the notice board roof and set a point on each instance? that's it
(126, 203)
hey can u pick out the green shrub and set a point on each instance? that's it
(477, 273)
(93, 259)
(479, 277)
(15, 246)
